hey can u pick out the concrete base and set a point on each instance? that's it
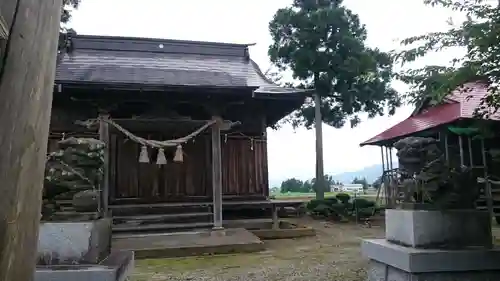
(116, 267)
(283, 233)
(450, 229)
(390, 262)
(167, 245)
(263, 228)
(86, 242)
(382, 272)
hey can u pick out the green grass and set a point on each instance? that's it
(279, 195)
(311, 195)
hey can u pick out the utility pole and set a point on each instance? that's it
(28, 52)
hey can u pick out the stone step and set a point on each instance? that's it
(64, 202)
(63, 215)
(131, 228)
(495, 197)
(164, 218)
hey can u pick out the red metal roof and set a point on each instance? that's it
(459, 104)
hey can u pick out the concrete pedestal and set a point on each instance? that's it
(433, 246)
(118, 266)
(438, 229)
(390, 262)
(86, 242)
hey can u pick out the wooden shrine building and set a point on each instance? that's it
(166, 89)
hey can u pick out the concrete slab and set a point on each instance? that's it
(74, 242)
(451, 229)
(382, 272)
(263, 228)
(117, 266)
(430, 260)
(165, 245)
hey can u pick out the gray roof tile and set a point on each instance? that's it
(159, 62)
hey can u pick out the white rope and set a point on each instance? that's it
(482, 180)
(155, 143)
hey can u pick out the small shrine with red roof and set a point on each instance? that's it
(455, 124)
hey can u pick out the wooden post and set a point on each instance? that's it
(487, 185)
(104, 184)
(461, 146)
(217, 173)
(276, 221)
(27, 70)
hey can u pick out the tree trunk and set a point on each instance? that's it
(27, 69)
(318, 124)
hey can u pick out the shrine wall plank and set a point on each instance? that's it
(244, 171)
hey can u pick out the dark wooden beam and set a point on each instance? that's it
(104, 185)
(27, 64)
(217, 172)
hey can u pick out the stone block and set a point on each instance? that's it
(118, 266)
(453, 229)
(86, 242)
(415, 261)
(381, 272)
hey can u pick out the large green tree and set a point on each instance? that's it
(65, 44)
(292, 185)
(478, 35)
(323, 44)
(67, 7)
(361, 181)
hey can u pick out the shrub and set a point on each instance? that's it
(322, 210)
(362, 203)
(343, 197)
(311, 205)
(341, 207)
(365, 213)
(349, 206)
(332, 200)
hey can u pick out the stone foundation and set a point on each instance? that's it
(86, 242)
(381, 272)
(423, 251)
(438, 229)
(118, 266)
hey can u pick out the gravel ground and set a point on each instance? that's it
(334, 254)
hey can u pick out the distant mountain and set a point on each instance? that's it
(371, 173)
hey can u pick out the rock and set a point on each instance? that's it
(86, 201)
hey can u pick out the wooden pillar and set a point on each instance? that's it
(27, 70)
(276, 221)
(104, 184)
(217, 173)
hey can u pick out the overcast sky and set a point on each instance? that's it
(291, 154)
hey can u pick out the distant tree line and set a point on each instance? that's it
(361, 181)
(296, 185)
